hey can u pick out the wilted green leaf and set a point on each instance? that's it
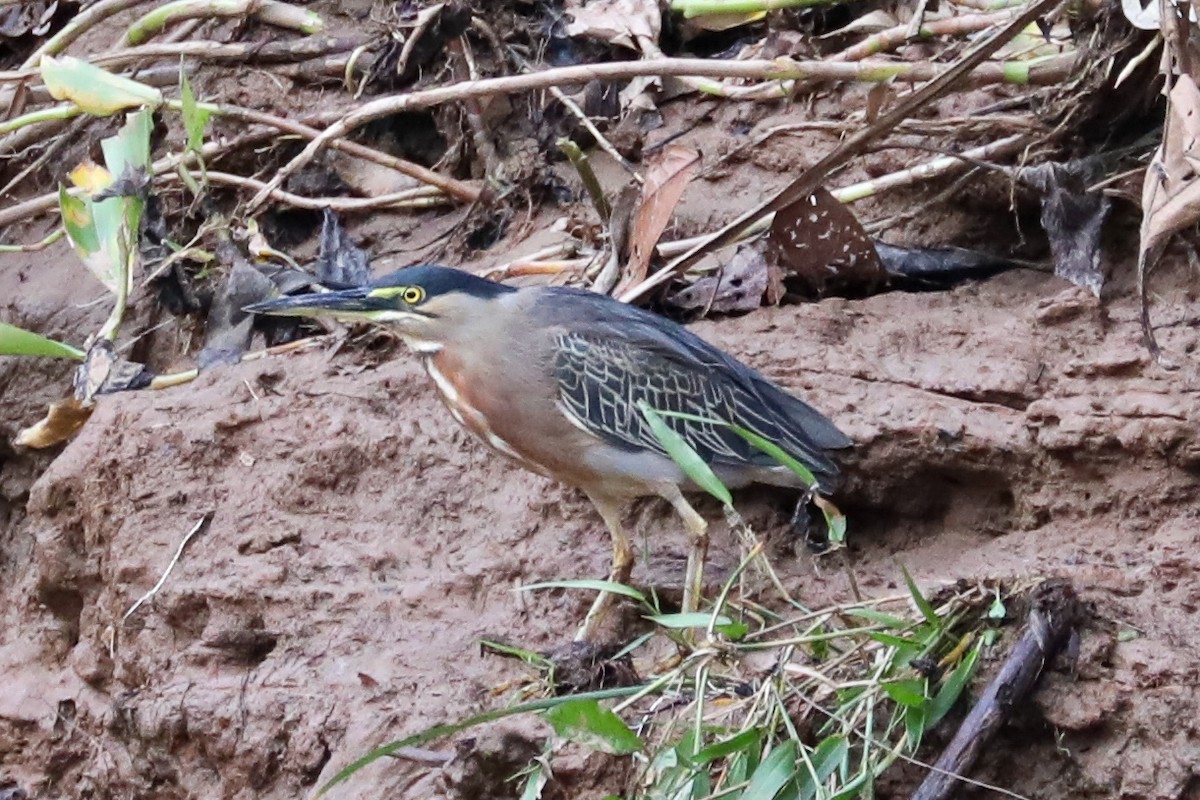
(588, 583)
(588, 723)
(685, 455)
(195, 117)
(700, 619)
(449, 729)
(93, 89)
(743, 741)
(777, 453)
(924, 606)
(16, 341)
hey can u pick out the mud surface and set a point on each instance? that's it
(358, 544)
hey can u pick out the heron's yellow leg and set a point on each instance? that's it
(693, 582)
(622, 567)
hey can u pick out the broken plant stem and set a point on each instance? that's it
(57, 234)
(188, 375)
(272, 12)
(587, 175)
(251, 52)
(781, 69)
(420, 197)
(457, 189)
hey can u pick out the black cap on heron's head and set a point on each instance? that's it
(411, 298)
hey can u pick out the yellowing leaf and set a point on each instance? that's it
(94, 90)
(62, 421)
(91, 177)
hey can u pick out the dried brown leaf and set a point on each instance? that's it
(666, 178)
(619, 22)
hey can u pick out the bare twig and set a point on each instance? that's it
(890, 39)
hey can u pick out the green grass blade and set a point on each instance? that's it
(685, 455)
(16, 341)
(777, 453)
(952, 689)
(742, 741)
(449, 729)
(924, 606)
(195, 117)
(775, 772)
(587, 583)
(828, 756)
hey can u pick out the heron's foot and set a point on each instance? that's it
(808, 525)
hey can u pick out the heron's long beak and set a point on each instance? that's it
(352, 305)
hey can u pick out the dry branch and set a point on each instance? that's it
(759, 69)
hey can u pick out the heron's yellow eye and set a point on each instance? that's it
(412, 295)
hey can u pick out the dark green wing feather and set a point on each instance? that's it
(608, 356)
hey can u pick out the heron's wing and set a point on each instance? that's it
(607, 359)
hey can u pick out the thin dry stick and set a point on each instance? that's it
(264, 52)
(890, 39)
(816, 175)
(421, 197)
(199, 526)
(757, 69)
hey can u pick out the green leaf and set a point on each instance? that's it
(16, 341)
(909, 692)
(685, 455)
(775, 772)
(952, 689)
(996, 610)
(828, 756)
(777, 453)
(195, 117)
(94, 90)
(449, 729)
(743, 741)
(914, 725)
(587, 583)
(893, 641)
(588, 723)
(924, 606)
(691, 619)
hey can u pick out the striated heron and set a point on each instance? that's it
(552, 378)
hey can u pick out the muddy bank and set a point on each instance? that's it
(360, 544)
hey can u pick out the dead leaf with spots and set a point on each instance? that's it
(742, 285)
(821, 248)
(620, 22)
(666, 178)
